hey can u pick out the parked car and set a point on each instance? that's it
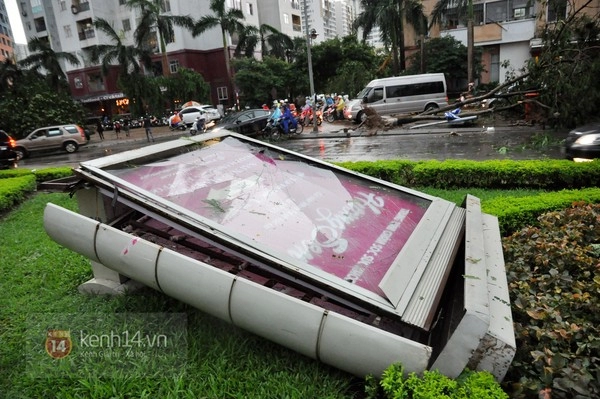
(249, 122)
(583, 142)
(8, 157)
(189, 115)
(212, 114)
(61, 137)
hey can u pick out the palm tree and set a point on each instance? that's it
(127, 57)
(44, 58)
(272, 41)
(9, 74)
(153, 18)
(389, 16)
(230, 22)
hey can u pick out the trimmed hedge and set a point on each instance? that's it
(549, 174)
(515, 213)
(16, 184)
(14, 190)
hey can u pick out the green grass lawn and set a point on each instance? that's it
(39, 280)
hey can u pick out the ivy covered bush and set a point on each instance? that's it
(553, 271)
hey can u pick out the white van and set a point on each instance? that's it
(400, 95)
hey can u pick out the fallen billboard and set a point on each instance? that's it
(341, 267)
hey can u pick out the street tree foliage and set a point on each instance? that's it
(262, 82)
(47, 62)
(155, 20)
(229, 21)
(271, 41)
(129, 58)
(339, 66)
(566, 71)
(185, 85)
(389, 16)
(447, 55)
(27, 102)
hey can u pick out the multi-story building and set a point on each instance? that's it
(6, 36)
(507, 31)
(68, 27)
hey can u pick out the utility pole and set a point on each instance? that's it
(470, 43)
(312, 34)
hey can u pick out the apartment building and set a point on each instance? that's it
(6, 36)
(68, 27)
(507, 31)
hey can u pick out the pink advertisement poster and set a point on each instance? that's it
(345, 226)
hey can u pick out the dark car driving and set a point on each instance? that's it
(8, 157)
(249, 122)
(583, 142)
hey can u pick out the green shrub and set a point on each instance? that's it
(553, 272)
(395, 171)
(8, 173)
(14, 190)
(514, 213)
(47, 174)
(507, 174)
(548, 174)
(434, 385)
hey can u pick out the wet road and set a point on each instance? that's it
(332, 144)
(474, 144)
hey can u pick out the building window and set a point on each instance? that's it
(126, 25)
(250, 9)
(68, 32)
(78, 83)
(122, 2)
(222, 93)
(557, 10)
(174, 66)
(85, 29)
(497, 11)
(40, 24)
(165, 6)
(495, 68)
(286, 19)
(237, 4)
(36, 6)
(296, 4)
(63, 5)
(95, 82)
(520, 9)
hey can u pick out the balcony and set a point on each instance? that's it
(87, 34)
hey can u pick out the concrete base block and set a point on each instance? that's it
(97, 286)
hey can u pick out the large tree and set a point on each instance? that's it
(46, 61)
(128, 58)
(390, 17)
(229, 21)
(154, 21)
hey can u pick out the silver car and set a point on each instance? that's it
(61, 137)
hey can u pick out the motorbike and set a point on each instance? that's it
(307, 116)
(274, 130)
(198, 126)
(178, 126)
(330, 114)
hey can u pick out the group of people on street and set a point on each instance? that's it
(283, 112)
(125, 126)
